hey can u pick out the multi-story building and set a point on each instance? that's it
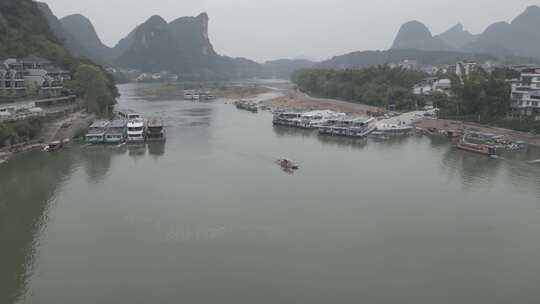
(525, 98)
(463, 68)
(432, 85)
(12, 83)
(31, 77)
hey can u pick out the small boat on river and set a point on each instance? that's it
(287, 164)
(54, 146)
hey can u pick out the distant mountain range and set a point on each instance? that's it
(521, 37)
(183, 46)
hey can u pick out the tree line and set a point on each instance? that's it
(481, 96)
(381, 86)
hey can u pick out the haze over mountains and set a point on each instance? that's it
(183, 46)
(521, 37)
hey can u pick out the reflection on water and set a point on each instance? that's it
(293, 132)
(472, 169)
(358, 143)
(137, 151)
(357, 211)
(96, 161)
(28, 184)
(156, 149)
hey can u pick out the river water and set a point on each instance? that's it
(209, 218)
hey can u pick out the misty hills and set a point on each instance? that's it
(521, 37)
(181, 46)
(415, 35)
(364, 59)
(82, 29)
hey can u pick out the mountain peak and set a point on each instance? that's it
(156, 20)
(203, 15)
(530, 17)
(82, 29)
(457, 28)
(457, 37)
(533, 9)
(416, 35)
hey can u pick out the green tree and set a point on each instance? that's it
(92, 84)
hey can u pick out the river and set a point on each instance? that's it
(208, 217)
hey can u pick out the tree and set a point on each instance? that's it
(93, 86)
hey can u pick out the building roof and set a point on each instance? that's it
(99, 124)
(118, 123)
(155, 122)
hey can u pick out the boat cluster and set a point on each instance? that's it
(247, 105)
(198, 95)
(485, 143)
(127, 126)
(341, 124)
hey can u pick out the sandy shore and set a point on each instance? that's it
(292, 100)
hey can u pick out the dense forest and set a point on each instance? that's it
(380, 86)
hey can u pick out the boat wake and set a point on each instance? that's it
(535, 161)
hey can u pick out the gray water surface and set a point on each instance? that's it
(209, 218)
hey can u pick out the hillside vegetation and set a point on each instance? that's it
(381, 86)
(25, 31)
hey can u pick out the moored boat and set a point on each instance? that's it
(476, 145)
(136, 131)
(117, 132)
(54, 146)
(96, 132)
(128, 115)
(350, 127)
(391, 129)
(289, 119)
(155, 131)
(246, 105)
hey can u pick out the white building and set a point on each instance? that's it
(525, 98)
(409, 64)
(430, 86)
(464, 68)
(20, 78)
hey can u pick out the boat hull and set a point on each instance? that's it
(478, 149)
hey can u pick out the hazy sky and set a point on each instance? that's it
(272, 29)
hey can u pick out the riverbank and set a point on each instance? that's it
(61, 129)
(438, 125)
(294, 100)
(173, 91)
